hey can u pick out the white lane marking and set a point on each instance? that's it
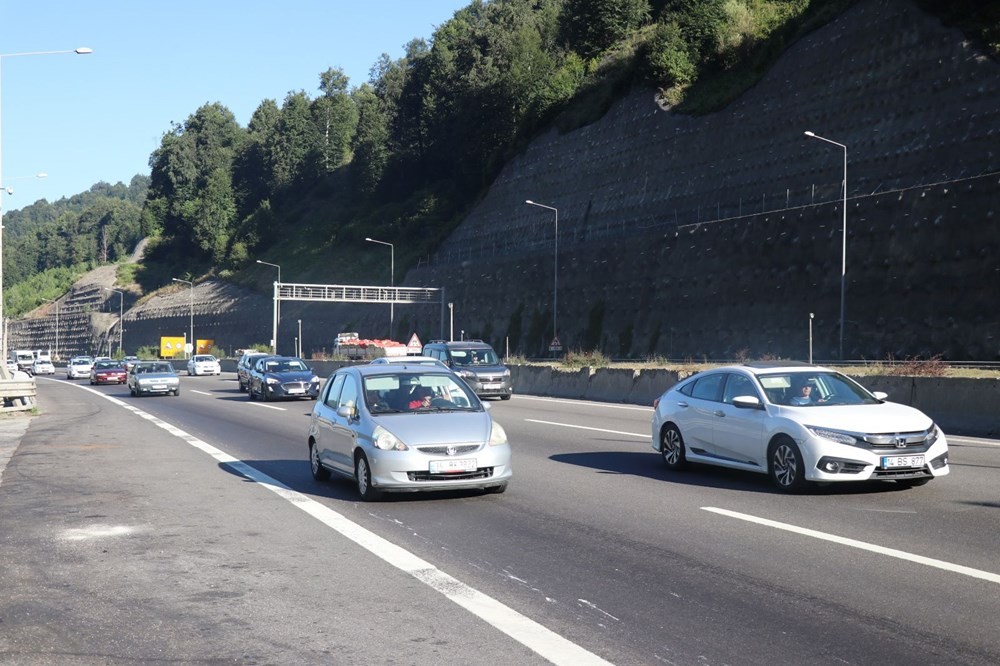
(257, 404)
(521, 628)
(199, 392)
(97, 532)
(634, 408)
(580, 427)
(862, 545)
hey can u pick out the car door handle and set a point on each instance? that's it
(718, 412)
(682, 404)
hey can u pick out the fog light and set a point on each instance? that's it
(832, 466)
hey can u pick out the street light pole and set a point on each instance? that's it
(843, 250)
(298, 343)
(56, 353)
(810, 338)
(277, 308)
(451, 322)
(555, 270)
(392, 278)
(79, 51)
(194, 346)
(121, 317)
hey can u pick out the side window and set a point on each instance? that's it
(707, 388)
(349, 396)
(738, 386)
(333, 391)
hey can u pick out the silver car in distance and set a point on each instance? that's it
(798, 423)
(406, 429)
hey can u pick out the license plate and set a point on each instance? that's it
(453, 466)
(296, 391)
(493, 385)
(890, 462)
(159, 387)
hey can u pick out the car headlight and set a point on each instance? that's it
(271, 380)
(833, 435)
(498, 436)
(506, 373)
(466, 374)
(385, 440)
(314, 380)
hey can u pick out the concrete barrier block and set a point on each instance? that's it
(651, 384)
(960, 405)
(610, 384)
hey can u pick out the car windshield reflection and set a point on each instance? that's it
(421, 393)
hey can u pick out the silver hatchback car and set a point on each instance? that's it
(406, 429)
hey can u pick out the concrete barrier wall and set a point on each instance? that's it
(959, 405)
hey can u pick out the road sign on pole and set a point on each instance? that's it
(555, 345)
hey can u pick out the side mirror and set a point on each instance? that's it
(349, 412)
(747, 402)
(486, 405)
(880, 395)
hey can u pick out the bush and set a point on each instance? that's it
(582, 359)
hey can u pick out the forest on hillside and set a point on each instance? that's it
(403, 154)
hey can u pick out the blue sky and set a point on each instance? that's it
(83, 119)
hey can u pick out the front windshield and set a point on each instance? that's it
(430, 392)
(814, 389)
(474, 357)
(285, 366)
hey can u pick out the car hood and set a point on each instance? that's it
(887, 417)
(420, 428)
(296, 376)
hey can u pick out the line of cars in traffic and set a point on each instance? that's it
(405, 424)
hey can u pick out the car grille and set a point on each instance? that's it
(481, 473)
(454, 450)
(291, 386)
(911, 442)
(489, 378)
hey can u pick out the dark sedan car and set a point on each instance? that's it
(108, 372)
(280, 377)
(244, 367)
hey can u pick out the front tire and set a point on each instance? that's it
(672, 448)
(319, 472)
(363, 477)
(785, 466)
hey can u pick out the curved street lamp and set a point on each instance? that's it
(555, 270)
(121, 318)
(392, 277)
(843, 250)
(194, 347)
(277, 308)
(83, 50)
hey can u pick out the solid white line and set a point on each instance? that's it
(891, 552)
(521, 628)
(257, 404)
(199, 392)
(580, 427)
(634, 408)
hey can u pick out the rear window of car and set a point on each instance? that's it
(707, 388)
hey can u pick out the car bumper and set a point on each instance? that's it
(491, 389)
(206, 371)
(409, 471)
(285, 392)
(156, 389)
(109, 380)
(858, 464)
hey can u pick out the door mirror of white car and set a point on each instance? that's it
(747, 402)
(486, 406)
(349, 412)
(880, 395)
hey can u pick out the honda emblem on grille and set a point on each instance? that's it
(900, 442)
(452, 450)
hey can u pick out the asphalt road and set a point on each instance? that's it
(192, 532)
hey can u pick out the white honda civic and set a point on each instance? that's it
(797, 423)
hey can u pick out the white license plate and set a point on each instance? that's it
(296, 391)
(159, 387)
(449, 466)
(493, 385)
(890, 462)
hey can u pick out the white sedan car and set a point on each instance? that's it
(798, 423)
(203, 364)
(79, 367)
(43, 366)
